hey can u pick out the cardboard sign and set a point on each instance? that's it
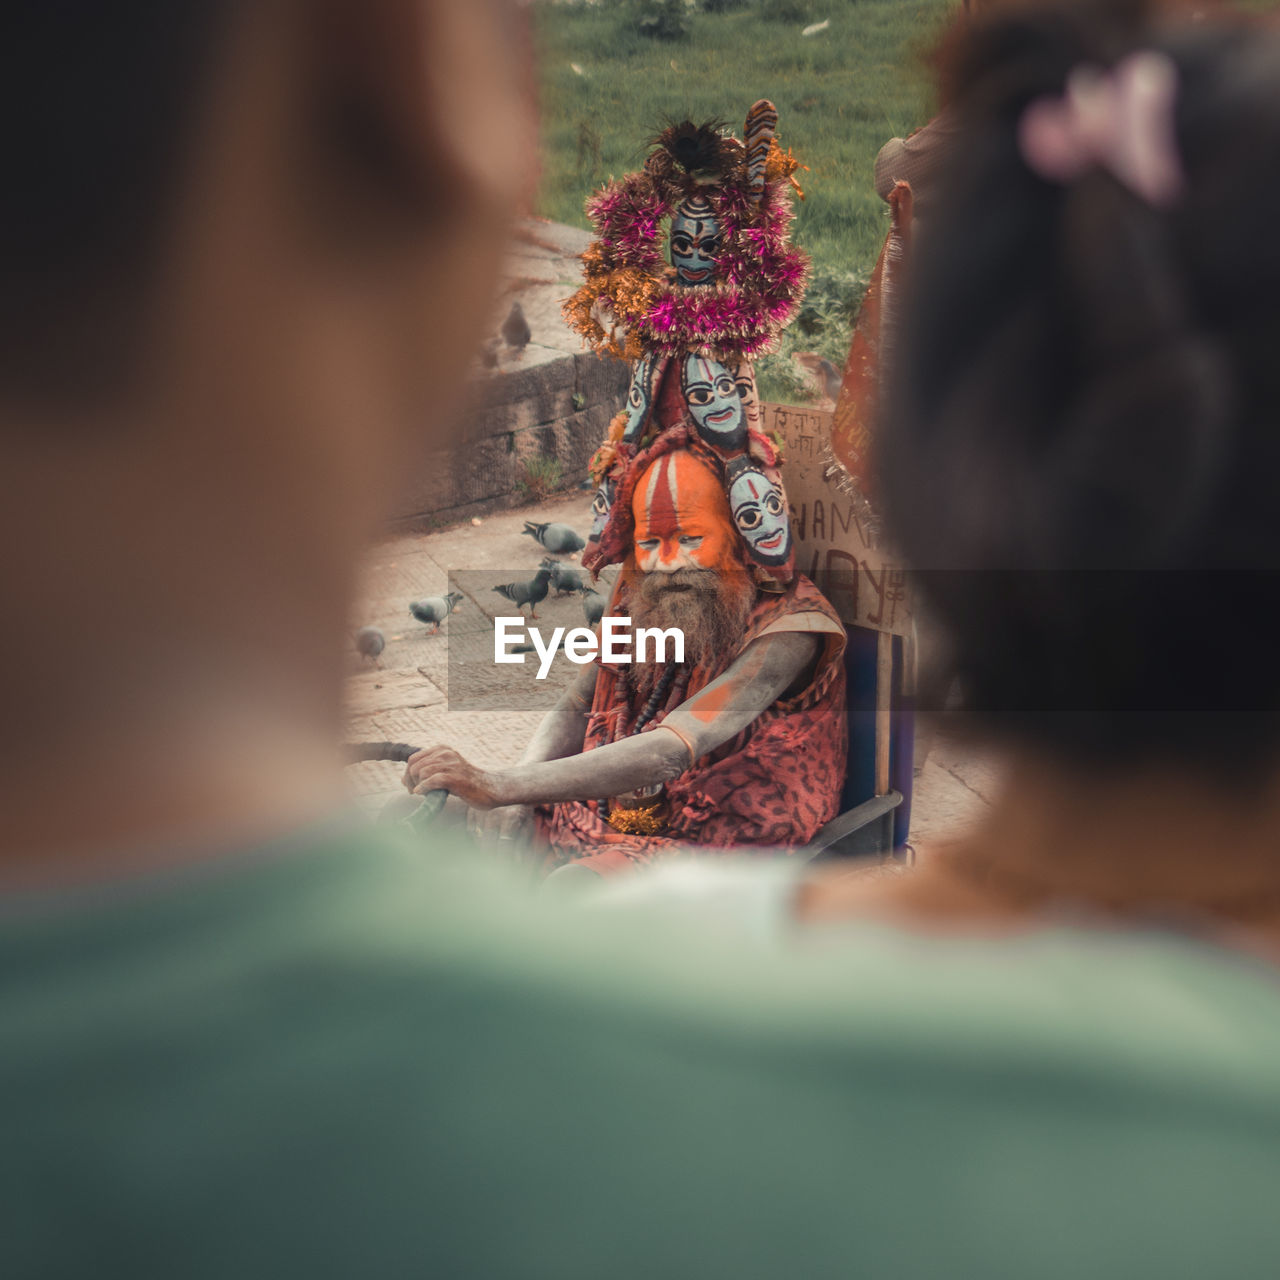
(835, 547)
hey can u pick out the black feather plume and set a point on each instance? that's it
(696, 148)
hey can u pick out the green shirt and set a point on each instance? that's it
(342, 1059)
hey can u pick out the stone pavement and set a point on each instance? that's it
(409, 698)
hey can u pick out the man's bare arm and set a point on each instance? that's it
(712, 717)
(559, 733)
(562, 730)
(764, 671)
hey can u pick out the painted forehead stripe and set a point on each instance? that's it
(695, 207)
(697, 210)
(662, 494)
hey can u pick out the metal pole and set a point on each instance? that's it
(884, 703)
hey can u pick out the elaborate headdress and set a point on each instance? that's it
(760, 276)
(694, 328)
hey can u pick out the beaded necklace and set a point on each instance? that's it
(644, 817)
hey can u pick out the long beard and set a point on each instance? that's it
(710, 608)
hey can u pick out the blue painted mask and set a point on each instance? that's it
(639, 398)
(715, 404)
(601, 505)
(759, 512)
(695, 241)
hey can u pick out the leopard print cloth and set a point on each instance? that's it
(771, 787)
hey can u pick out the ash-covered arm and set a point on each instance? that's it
(764, 671)
(562, 730)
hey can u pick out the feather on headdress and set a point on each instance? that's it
(702, 150)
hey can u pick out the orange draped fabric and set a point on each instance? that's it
(854, 418)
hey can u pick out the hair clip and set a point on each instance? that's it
(1119, 120)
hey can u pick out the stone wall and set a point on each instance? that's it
(552, 405)
(552, 400)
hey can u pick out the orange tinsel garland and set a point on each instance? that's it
(629, 293)
(607, 454)
(783, 164)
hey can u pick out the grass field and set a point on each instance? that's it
(841, 93)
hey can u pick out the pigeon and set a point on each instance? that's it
(515, 330)
(565, 581)
(559, 539)
(530, 593)
(435, 609)
(593, 605)
(370, 643)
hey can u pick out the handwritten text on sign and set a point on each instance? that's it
(863, 580)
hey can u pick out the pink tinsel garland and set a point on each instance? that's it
(762, 277)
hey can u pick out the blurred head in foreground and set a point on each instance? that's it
(1081, 450)
(245, 251)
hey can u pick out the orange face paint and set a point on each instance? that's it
(682, 518)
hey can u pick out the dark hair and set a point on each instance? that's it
(96, 101)
(1080, 451)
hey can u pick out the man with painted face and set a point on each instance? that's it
(743, 743)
